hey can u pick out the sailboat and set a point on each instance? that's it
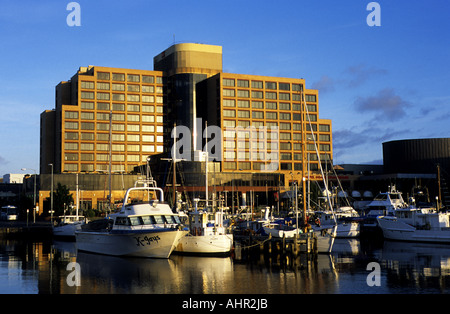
(66, 225)
(207, 233)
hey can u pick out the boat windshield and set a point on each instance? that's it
(147, 220)
(141, 197)
(380, 197)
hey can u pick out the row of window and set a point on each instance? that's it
(114, 147)
(69, 125)
(240, 93)
(260, 84)
(135, 78)
(70, 167)
(257, 104)
(119, 87)
(227, 113)
(232, 165)
(121, 107)
(103, 157)
(116, 137)
(121, 97)
(73, 115)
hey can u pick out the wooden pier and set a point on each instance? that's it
(257, 244)
(22, 229)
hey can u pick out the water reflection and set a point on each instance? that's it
(27, 267)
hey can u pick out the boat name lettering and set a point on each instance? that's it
(142, 241)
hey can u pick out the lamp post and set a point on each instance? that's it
(51, 197)
(34, 193)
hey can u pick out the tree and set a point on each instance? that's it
(61, 198)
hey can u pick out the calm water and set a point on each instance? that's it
(41, 267)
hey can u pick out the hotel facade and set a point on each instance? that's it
(117, 117)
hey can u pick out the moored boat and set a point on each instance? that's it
(144, 227)
(67, 225)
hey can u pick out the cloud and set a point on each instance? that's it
(325, 84)
(386, 103)
(359, 74)
(345, 138)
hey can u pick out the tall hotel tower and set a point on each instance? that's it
(111, 116)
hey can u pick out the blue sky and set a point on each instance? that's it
(376, 83)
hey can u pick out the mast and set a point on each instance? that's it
(206, 164)
(174, 157)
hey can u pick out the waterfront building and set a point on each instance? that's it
(111, 119)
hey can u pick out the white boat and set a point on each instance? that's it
(347, 227)
(144, 227)
(67, 225)
(279, 230)
(419, 227)
(207, 235)
(325, 239)
(386, 203)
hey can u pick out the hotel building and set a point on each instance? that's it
(120, 117)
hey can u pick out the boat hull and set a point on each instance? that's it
(221, 244)
(348, 230)
(325, 239)
(400, 231)
(66, 231)
(149, 243)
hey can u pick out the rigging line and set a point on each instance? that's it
(317, 152)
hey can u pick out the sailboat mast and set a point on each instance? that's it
(174, 166)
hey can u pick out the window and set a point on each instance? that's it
(324, 128)
(242, 83)
(243, 114)
(243, 104)
(297, 87)
(148, 99)
(257, 104)
(102, 116)
(118, 77)
(133, 78)
(71, 156)
(229, 103)
(71, 115)
(133, 88)
(285, 96)
(257, 94)
(102, 96)
(133, 127)
(133, 137)
(118, 137)
(71, 146)
(310, 98)
(284, 86)
(134, 98)
(147, 118)
(271, 85)
(87, 146)
(271, 105)
(87, 157)
(148, 79)
(70, 136)
(87, 95)
(257, 84)
(103, 85)
(148, 148)
(87, 85)
(102, 106)
(102, 76)
(228, 92)
(148, 128)
(285, 116)
(118, 117)
(148, 138)
(133, 108)
(324, 137)
(87, 136)
(70, 167)
(324, 147)
(87, 105)
(271, 95)
(87, 125)
(103, 126)
(243, 93)
(133, 117)
(102, 136)
(285, 106)
(118, 97)
(258, 114)
(271, 115)
(148, 89)
(159, 80)
(228, 82)
(229, 113)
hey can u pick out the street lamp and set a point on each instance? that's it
(34, 193)
(51, 197)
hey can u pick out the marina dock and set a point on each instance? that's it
(22, 229)
(267, 245)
